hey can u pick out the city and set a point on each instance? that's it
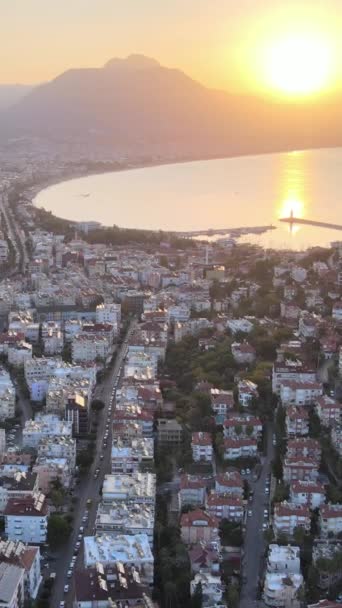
(170, 418)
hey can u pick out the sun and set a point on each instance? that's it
(298, 65)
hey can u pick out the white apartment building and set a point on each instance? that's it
(18, 353)
(290, 370)
(137, 488)
(121, 518)
(307, 493)
(108, 549)
(43, 426)
(240, 448)
(12, 592)
(141, 365)
(128, 458)
(26, 519)
(7, 396)
(18, 484)
(330, 520)
(202, 447)
(284, 559)
(89, 348)
(282, 590)
(287, 517)
(27, 557)
(109, 313)
(300, 393)
(58, 446)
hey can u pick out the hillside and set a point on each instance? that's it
(136, 103)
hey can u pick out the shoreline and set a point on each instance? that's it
(31, 194)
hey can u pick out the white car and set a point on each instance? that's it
(66, 588)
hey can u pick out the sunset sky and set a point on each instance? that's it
(222, 43)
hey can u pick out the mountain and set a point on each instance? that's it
(135, 103)
(11, 93)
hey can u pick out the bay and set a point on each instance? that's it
(220, 193)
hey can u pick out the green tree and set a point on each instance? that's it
(58, 531)
(197, 598)
(97, 405)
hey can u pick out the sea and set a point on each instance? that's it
(223, 193)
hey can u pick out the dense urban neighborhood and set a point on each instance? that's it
(170, 413)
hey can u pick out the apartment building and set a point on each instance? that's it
(311, 494)
(297, 421)
(129, 550)
(287, 517)
(26, 519)
(202, 447)
(225, 506)
(330, 520)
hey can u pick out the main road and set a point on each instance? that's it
(89, 487)
(254, 545)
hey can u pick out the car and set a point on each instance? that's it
(85, 518)
(66, 588)
(79, 537)
(264, 526)
(89, 501)
(250, 512)
(243, 472)
(77, 546)
(101, 457)
(266, 512)
(62, 604)
(267, 490)
(248, 471)
(81, 529)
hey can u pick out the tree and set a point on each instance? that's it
(197, 598)
(58, 531)
(97, 405)
(298, 535)
(233, 596)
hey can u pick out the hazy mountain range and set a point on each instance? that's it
(11, 93)
(135, 101)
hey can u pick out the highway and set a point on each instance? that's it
(89, 488)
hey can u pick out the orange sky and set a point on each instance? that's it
(218, 42)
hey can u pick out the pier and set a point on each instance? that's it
(224, 231)
(298, 220)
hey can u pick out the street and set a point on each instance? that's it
(254, 545)
(89, 488)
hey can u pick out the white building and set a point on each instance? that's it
(212, 589)
(26, 519)
(330, 520)
(129, 457)
(284, 559)
(109, 313)
(7, 396)
(300, 393)
(122, 518)
(23, 556)
(137, 488)
(307, 493)
(132, 550)
(88, 348)
(12, 592)
(282, 590)
(202, 447)
(45, 425)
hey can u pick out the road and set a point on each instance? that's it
(254, 546)
(89, 488)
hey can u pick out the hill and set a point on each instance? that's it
(11, 93)
(136, 103)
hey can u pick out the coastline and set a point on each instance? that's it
(32, 193)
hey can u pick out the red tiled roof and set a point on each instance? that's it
(188, 519)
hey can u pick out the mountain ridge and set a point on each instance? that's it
(137, 102)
